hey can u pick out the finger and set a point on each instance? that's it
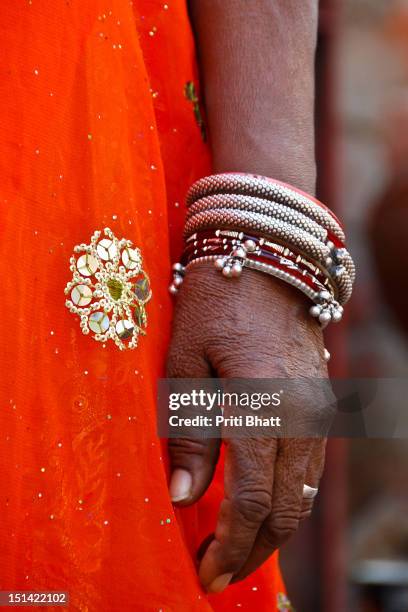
(313, 474)
(192, 461)
(248, 488)
(290, 472)
(192, 464)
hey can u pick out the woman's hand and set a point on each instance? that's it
(250, 327)
(257, 68)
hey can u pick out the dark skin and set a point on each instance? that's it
(257, 62)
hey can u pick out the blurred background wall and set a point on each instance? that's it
(352, 555)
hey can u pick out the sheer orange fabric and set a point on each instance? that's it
(96, 131)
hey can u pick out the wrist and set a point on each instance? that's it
(239, 221)
(297, 169)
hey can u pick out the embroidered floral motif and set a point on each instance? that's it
(283, 603)
(191, 94)
(109, 289)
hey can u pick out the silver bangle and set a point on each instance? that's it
(237, 237)
(325, 308)
(278, 230)
(259, 223)
(258, 205)
(324, 254)
(246, 184)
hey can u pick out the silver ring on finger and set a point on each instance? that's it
(309, 492)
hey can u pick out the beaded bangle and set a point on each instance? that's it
(259, 224)
(268, 189)
(273, 210)
(258, 205)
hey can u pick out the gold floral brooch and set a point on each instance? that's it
(109, 289)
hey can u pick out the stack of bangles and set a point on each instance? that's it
(247, 221)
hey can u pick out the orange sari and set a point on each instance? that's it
(98, 128)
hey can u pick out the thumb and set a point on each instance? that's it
(192, 460)
(192, 464)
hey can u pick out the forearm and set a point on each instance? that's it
(257, 62)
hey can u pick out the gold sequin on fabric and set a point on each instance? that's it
(283, 603)
(109, 289)
(190, 92)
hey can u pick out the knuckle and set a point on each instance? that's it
(307, 508)
(182, 448)
(253, 506)
(306, 513)
(241, 358)
(324, 412)
(282, 527)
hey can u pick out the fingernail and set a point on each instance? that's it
(180, 485)
(220, 583)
